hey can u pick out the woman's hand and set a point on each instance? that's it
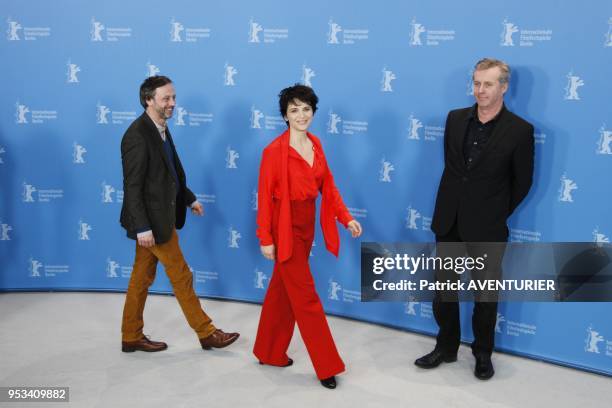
(267, 251)
(355, 227)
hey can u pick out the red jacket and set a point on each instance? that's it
(274, 182)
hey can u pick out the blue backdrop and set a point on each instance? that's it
(386, 74)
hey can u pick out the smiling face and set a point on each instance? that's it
(488, 90)
(161, 105)
(299, 115)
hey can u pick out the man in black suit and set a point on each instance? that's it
(155, 203)
(488, 168)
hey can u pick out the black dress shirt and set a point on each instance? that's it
(477, 136)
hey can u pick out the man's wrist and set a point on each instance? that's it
(144, 234)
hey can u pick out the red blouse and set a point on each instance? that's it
(286, 176)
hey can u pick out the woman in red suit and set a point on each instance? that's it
(293, 170)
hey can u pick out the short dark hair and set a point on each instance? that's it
(149, 85)
(300, 92)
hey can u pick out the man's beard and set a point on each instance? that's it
(162, 113)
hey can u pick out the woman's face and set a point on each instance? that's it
(299, 115)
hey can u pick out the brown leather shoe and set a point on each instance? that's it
(143, 344)
(218, 339)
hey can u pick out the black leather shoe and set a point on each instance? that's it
(434, 359)
(484, 368)
(329, 382)
(289, 363)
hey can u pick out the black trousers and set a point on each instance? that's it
(446, 303)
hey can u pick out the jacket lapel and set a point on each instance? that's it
(463, 128)
(285, 234)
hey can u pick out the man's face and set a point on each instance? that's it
(488, 91)
(163, 103)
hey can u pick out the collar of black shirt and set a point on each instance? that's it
(474, 114)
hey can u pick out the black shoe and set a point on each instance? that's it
(484, 368)
(329, 382)
(289, 363)
(434, 359)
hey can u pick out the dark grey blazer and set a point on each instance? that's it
(482, 198)
(151, 197)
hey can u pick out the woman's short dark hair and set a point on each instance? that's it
(300, 92)
(148, 87)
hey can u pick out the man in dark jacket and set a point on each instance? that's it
(488, 168)
(155, 203)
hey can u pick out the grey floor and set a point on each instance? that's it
(73, 339)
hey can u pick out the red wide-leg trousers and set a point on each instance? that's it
(292, 298)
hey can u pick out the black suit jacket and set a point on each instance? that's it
(151, 197)
(482, 198)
